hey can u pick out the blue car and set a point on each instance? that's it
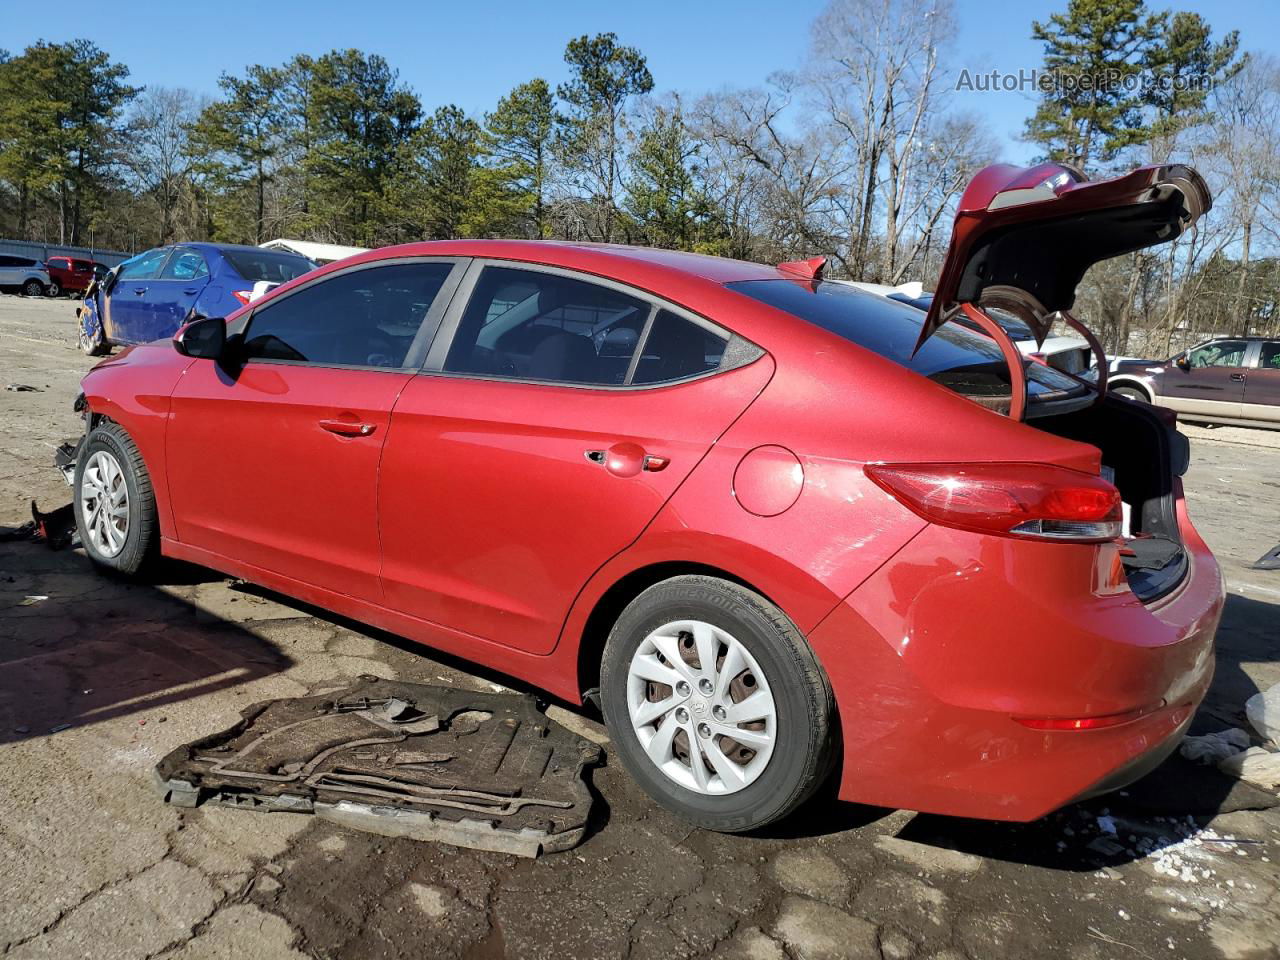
(148, 297)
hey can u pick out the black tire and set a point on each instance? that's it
(53, 289)
(1131, 393)
(32, 288)
(805, 711)
(141, 533)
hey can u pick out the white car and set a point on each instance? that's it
(24, 274)
(1068, 354)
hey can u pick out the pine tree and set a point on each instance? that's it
(1094, 56)
(519, 137)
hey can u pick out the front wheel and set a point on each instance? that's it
(716, 703)
(1131, 393)
(32, 288)
(93, 341)
(114, 505)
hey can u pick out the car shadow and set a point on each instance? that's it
(78, 648)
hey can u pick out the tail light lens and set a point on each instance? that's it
(243, 296)
(1034, 500)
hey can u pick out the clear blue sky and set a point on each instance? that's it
(472, 53)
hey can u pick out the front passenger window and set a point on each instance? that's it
(363, 318)
(1223, 353)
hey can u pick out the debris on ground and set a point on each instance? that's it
(1269, 560)
(1213, 748)
(56, 529)
(1256, 765)
(1263, 711)
(22, 388)
(482, 770)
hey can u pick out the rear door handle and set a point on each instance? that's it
(190, 290)
(139, 291)
(347, 428)
(1238, 377)
(626, 459)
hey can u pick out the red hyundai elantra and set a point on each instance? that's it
(771, 523)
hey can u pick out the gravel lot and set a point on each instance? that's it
(93, 864)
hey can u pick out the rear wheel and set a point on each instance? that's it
(53, 289)
(1132, 393)
(32, 288)
(114, 505)
(716, 704)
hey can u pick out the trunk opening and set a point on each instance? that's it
(1146, 455)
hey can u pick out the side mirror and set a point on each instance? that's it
(204, 339)
(1182, 363)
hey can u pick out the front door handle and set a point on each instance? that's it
(139, 291)
(1238, 377)
(347, 428)
(190, 290)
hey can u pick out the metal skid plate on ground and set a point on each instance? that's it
(483, 770)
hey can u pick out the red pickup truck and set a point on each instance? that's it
(70, 274)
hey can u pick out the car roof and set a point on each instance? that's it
(584, 256)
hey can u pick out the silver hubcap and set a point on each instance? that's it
(701, 707)
(104, 504)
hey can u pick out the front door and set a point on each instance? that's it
(544, 436)
(127, 306)
(1262, 390)
(275, 464)
(1213, 383)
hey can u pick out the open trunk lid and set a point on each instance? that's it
(1025, 236)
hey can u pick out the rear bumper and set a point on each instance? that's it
(933, 657)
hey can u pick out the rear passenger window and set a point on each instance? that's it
(1270, 358)
(677, 348)
(185, 265)
(528, 325)
(365, 318)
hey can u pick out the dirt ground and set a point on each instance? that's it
(101, 678)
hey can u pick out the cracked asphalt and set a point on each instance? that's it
(103, 677)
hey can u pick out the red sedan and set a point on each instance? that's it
(772, 525)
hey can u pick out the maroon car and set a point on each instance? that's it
(1233, 380)
(69, 274)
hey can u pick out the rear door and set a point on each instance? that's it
(172, 294)
(128, 310)
(1214, 382)
(555, 416)
(275, 464)
(1262, 388)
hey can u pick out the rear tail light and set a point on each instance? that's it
(1032, 500)
(243, 296)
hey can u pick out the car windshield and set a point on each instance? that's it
(273, 265)
(963, 360)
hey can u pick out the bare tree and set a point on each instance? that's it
(873, 69)
(157, 159)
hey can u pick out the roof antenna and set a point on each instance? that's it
(811, 269)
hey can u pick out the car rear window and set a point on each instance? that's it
(963, 360)
(273, 265)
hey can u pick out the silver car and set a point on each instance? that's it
(23, 274)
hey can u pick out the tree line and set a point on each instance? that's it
(859, 153)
